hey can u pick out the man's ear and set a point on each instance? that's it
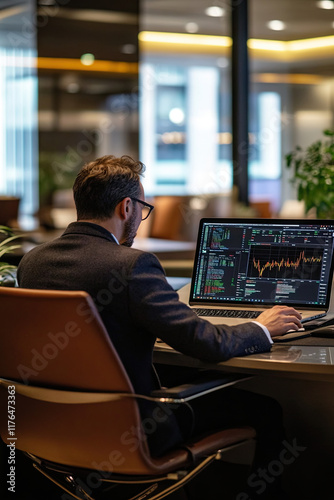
(125, 208)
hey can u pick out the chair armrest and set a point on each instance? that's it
(198, 388)
(179, 394)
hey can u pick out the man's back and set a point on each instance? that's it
(86, 257)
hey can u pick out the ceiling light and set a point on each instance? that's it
(70, 64)
(152, 37)
(191, 27)
(129, 48)
(73, 87)
(176, 115)
(214, 11)
(87, 59)
(272, 45)
(276, 25)
(326, 4)
(222, 62)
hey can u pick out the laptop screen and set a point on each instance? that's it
(263, 261)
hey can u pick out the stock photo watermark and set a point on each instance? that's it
(130, 441)
(30, 24)
(55, 342)
(11, 439)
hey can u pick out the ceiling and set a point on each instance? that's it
(109, 29)
(302, 17)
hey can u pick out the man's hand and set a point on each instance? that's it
(280, 319)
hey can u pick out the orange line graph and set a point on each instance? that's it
(285, 263)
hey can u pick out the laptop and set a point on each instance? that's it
(244, 266)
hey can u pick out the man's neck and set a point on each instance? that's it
(108, 224)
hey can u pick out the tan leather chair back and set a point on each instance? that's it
(56, 339)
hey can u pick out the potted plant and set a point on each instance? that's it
(7, 271)
(314, 175)
(56, 171)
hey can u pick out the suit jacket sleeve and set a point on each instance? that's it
(156, 308)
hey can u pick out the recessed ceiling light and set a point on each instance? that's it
(326, 4)
(87, 59)
(129, 48)
(176, 115)
(222, 62)
(276, 25)
(73, 87)
(215, 11)
(191, 27)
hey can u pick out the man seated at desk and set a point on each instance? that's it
(137, 305)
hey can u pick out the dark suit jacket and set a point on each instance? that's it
(136, 305)
(134, 299)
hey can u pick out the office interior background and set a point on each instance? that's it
(153, 79)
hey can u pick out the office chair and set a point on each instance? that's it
(76, 413)
(9, 209)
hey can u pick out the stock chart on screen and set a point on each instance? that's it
(263, 261)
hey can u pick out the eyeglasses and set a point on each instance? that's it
(146, 208)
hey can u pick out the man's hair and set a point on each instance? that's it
(103, 183)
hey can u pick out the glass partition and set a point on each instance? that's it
(18, 104)
(185, 101)
(292, 87)
(185, 97)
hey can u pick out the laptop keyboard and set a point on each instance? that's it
(227, 313)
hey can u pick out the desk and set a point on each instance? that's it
(166, 250)
(301, 379)
(314, 363)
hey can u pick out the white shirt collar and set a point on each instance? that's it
(116, 240)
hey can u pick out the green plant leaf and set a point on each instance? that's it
(288, 159)
(4, 266)
(8, 271)
(313, 174)
(6, 230)
(8, 249)
(11, 238)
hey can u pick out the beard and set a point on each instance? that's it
(130, 230)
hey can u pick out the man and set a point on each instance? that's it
(137, 304)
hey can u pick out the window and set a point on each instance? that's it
(18, 107)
